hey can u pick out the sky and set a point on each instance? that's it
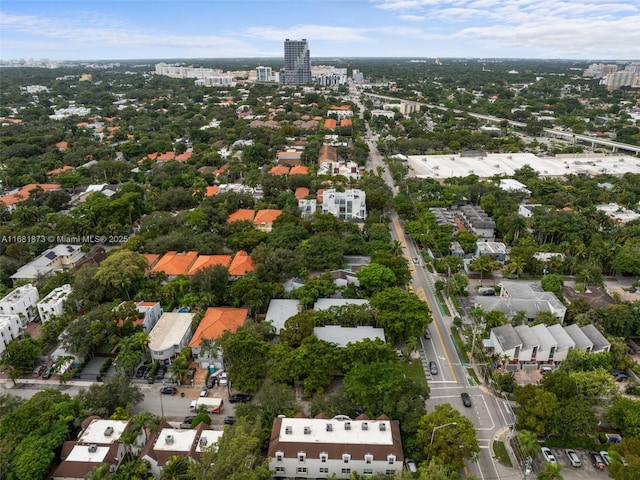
(172, 29)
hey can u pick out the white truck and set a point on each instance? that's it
(212, 404)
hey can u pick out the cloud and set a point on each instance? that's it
(412, 18)
(327, 33)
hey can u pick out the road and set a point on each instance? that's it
(490, 416)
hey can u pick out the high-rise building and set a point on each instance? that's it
(297, 65)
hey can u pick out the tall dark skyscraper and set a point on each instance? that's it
(297, 65)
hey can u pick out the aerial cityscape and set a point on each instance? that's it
(319, 240)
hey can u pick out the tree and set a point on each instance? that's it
(104, 398)
(178, 368)
(552, 283)
(374, 278)
(298, 328)
(624, 415)
(536, 409)
(123, 270)
(382, 388)
(245, 352)
(322, 252)
(400, 314)
(551, 472)
(528, 443)
(484, 264)
(176, 468)
(364, 352)
(447, 435)
(19, 357)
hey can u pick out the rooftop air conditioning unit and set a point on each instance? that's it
(287, 430)
(202, 441)
(383, 427)
(93, 448)
(365, 426)
(108, 431)
(347, 425)
(329, 427)
(168, 439)
(307, 430)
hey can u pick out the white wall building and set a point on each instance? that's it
(170, 335)
(21, 302)
(340, 446)
(348, 205)
(53, 260)
(53, 303)
(10, 328)
(152, 312)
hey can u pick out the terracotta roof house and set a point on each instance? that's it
(204, 261)
(241, 264)
(328, 153)
(264, 219)
(21, 195)
(301, 193)
(299, 170)
(241, 214)
(152, 258)
(58, 171)
(183, 157)
(330, 124)
(165, 157)
(62, 145)
(346, 122)
(174, 263)
(211, 191)
(289, 158)
(279, 170)
(214, 323)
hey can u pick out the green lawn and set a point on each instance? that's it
(414, 371)
(501, 453)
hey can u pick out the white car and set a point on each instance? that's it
(605, 456)
(574, 460)
(223, 380)
(204, 392)
(548, 455)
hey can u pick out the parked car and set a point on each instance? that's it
(160, 372)
(399, 354)
(37, 371)
(211, 382)
(410, 289)
(168, 390)
(416, 261)
(141, 371)
(189, 419)
(466, 399)
(574, 460)
(547, 454)
(605, 456)
(597, 460)
(204, 392)
(223, 379)
(433, 368)
(48, 372)
(240, 398)
(410, 465)
(191, 373)
(427, 333)
(229, 420)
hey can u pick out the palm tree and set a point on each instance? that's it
(176, 468)
(551, 472)
(178, 368)
(395, 248)
(484, 264)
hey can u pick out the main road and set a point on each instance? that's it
(491, 416)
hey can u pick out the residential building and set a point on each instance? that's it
(242, 215)
(240, 265)
(598, 340)
(329, 76)
(170, 335)
(280, 310)
(53, 303)
(342, 336)
(512, 185)
(10, 328)
(478, 222)
(98, 443)
(22, 302)
(13, 198)
(52, 260)
(264, 74)
(307, 206)
(297, 62)
(336, 447)
(348, 205)
(579, 338)
(530, 343)
(206, 261)
(496, 250)
(214, 323)
(506, 342)
(167, 442)
(547, 344)
(264, 219)
(564, 341)
(152, 312)
(174, 263)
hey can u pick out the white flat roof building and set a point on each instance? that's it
(170, 335)
(280, 310)
(53, 303)
(22, 302)
(10, 328)
(342, 336)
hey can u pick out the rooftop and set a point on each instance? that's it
(169, 330)
(215, 321)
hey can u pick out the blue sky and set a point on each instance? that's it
(157, 29)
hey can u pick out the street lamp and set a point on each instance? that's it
(433, 432)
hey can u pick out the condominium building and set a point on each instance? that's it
(348, 205)
(53, 303)
(21, 302)
(297, 64)
(10, 328)
(335, 447)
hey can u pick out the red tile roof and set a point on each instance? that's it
(279, 170)
(301, 192)
(152, 258)
(215, 321)
(174, 263)
(58, 171)
(62, 145)
(299, 170)
(23, 194)
(211, 191)
(346, 122)
(204, 261)
(240, 215)
(241, 264)
(266, 216)
(330, 124)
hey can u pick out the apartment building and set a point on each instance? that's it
(297, 62)
(347, 205)
(53, 303)
(22, 302)
(339, 447)
(10, 328)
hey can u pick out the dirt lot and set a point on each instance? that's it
(597, 296)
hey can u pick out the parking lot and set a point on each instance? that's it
(585, 472)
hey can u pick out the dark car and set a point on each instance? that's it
(160, 373)
(597, 460)
(229, 420)
(212, 381)
(466, 399)
(240, 398)
(141, 371)
(191, 373)
(168, 390)
(433, 368)
(189, 419)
